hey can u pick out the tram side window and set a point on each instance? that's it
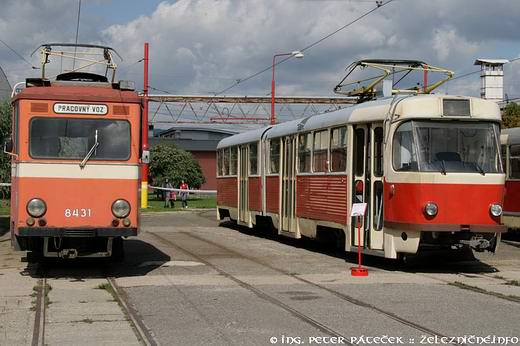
(320, 151)
(338, 149)
(253, 159)
(274, 156)
(359, 152)
(514, 161)
(404, 156)
(233, 161)
(219, 162)
(304, 152)
(378, 151)
(225, 161)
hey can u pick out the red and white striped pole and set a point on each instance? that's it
(144, 130)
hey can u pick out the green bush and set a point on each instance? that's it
(175, 164)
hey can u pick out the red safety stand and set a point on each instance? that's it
(359, 270)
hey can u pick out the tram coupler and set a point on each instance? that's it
(68, 253)
(477, 243)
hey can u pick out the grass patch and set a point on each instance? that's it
(513, 282)
(155, 205)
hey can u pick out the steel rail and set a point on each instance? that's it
(259, 293)
(340, 295)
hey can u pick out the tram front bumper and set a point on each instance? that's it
(77, 232)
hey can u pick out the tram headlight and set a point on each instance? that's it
(431, 209)
(120, 208)
(36, 207)
(495, 209)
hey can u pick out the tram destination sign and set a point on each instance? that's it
(78, 108)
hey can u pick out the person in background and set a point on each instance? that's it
(169, 200)
(184, 195)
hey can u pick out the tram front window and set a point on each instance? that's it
(67, 138)
(447, 147)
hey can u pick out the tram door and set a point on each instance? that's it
(243, 206)
(367, 184)
(288, 185)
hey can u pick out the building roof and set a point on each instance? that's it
(195, 127)
(5, 87)
(491, 61)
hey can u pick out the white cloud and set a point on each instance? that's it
(203, 46)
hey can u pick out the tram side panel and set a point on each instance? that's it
(321, 201)
(227, 197)
(511, 217)
(272, 198)
(254, 197)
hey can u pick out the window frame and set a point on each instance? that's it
(326, 150)
(510, 163)
(345, 149)
(32, 119)
(231, 174)
(269, 157)
(298, 152)
(250, 161)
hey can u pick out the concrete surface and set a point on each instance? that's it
(222, 285)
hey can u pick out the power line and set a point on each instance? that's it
(18, 54)
(77, 33)
(239, 81)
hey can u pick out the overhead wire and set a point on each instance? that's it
(18, 54)
(240, 81)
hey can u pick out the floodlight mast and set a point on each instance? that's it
(387, 67)
(87, 58)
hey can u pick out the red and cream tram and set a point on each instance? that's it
(511, 161)
(76, 152)
(428, 167)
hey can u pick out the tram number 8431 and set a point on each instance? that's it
(78, 212)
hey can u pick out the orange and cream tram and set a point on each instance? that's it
(428, 167)
(76, 152)
(511, 160)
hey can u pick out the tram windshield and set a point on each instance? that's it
(68, 138)
(428, 146)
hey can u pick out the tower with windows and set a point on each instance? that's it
(491, 78)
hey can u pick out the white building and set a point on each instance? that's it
(491, 78)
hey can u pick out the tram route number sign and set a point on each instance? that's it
(79, 108)
(358, 209)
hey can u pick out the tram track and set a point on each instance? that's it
(41, 302)
(141, 331)
(40, 307)
(259, 293)
(340, 295)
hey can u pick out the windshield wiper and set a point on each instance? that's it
(91, 151)
(443, 167)
(479, 168)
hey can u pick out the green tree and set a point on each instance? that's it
(5, 132)
(175, 164)
(511, 115)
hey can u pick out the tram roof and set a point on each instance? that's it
(242, 138)
(78, 93)
(407, 106)
(513, 135)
